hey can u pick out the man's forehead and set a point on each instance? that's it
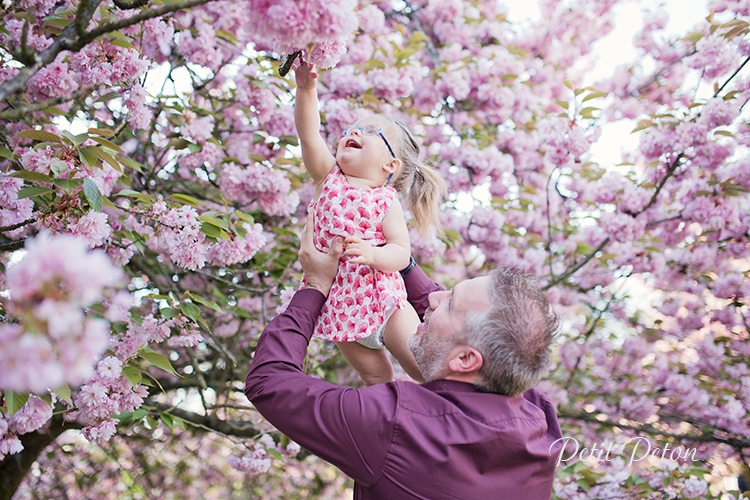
(471, 294)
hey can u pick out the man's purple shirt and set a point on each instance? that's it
(400, 440)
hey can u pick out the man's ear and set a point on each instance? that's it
(465, 359)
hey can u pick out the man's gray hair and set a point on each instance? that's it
(514, 335)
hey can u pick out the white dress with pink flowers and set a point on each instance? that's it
(361, 298)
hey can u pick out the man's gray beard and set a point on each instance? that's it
(429, 355)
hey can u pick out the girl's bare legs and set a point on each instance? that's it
(372, 365)
(401, 325)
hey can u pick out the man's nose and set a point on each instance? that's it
(434, 299)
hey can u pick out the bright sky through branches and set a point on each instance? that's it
(617, 48)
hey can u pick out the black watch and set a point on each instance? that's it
(409, 267)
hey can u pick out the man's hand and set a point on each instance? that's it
(306, 76)
(320, 268)
(360, 251)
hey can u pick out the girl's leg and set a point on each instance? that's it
(372, 365)
(401, 325)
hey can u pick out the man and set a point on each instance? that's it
(476, 429)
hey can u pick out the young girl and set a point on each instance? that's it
(355, 198)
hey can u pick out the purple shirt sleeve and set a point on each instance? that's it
(350, 428)
(418, 289)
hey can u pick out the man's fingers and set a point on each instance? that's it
(337, 247)
(307, 235)
(307, 241)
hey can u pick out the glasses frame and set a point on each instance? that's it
(370, 129)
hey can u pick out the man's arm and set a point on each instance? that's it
(418, 289)
(350, 428)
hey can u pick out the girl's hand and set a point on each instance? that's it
(360, 251)
(306, 76)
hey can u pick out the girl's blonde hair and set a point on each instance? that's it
(424, 187)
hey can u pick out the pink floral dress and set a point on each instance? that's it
(361, 298)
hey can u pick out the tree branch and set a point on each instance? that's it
(19, 112)
(131, 4)
(68, 41)
(4, 229)
(212, 423)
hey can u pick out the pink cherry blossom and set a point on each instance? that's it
(33, 415)
(92, 226)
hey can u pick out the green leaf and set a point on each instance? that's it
(68, 184)
(190, 310)
(92, 194)
(122, 43)
(63, 392)
(588, 112)
(642, 124)
(167, 419)
(178, 143)
(213, 220)
(108, 144)
(289, 139)
(133, 374)
(724, 133)
(594, 95)
(28, 175)
(76, 140)
(57, 22)
(5, 152)
(130, 163)
(110, 160)
(158, 361)
(107, 97)
(206, 302)
(33, 191)
(188, 200)
(562, 104)
(226, 35)
(179, 422)
(274, 453)
(139, 413)
(151, 422)
(693, 37)
(54, 111)
(247, 218)
(38, 135)
(15, 401)
(168, 312)
(58, 167)
(88, 156)
(101, 131)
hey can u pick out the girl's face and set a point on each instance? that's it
(367, 149)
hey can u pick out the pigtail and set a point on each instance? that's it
(424, 187)
(426, 192)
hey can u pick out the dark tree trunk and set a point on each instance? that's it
(15, 467)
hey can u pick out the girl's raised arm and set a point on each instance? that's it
(315, 153)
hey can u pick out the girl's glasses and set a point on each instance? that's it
(370, 129)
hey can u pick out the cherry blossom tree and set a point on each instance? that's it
(152, 194)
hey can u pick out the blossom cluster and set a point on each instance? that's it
(55, 341)
(288, 26)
